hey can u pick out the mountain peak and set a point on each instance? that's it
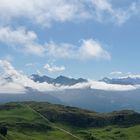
(41, 79)
(62, 80)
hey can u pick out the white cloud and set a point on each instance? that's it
(21, 40)
(116, 73)
(111, 87)
(102, 5)
(60, 50)
(42, 12)
(101, 86)
(92, 49)
(54, 68)
(122, 75)
(45, 12)
(88, 49)
(130, 76)
(13, 81)
(105, 11)
(27, 42)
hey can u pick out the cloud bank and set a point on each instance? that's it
(13, 81)
(103, 86)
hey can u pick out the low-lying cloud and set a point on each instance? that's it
(18, 82)
(12, 81)
(92, 84)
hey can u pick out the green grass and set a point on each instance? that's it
(36, 135)
(19, 113)
(24, 123)
(116, 133)
(105, 133)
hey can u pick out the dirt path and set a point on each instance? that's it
(53, 125)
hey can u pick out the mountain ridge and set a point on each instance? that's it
(63, 80)
(122, 80)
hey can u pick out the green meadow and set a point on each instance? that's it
(45, 121)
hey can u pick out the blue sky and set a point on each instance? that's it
(89, 39)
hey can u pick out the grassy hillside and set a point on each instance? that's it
(24, 124)
(45, 121)
(84, 118)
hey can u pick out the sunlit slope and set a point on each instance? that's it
(45, 121)
(25, 124)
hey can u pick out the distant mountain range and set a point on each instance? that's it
(62, 80)
(122, 81)
(89, 98)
